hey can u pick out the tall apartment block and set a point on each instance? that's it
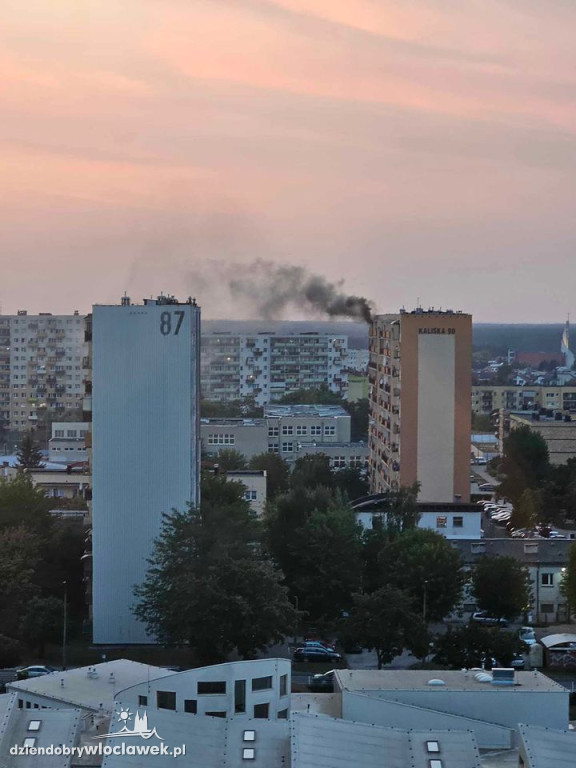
(265, 366)
(145, 446)
(420, 403)
(42, 366)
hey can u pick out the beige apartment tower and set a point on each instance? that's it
(420, 403)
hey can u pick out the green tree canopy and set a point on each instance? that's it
(277, 472)
(228, 459)
(351, 481)
(29, 455)
(528, 510)
(473, 645)
(20, 550)
(22, 503)
(312, 470)
(321, 395)
(385, 621)
(524, 464)
(426, 566)
(42, 623)
(501, 586)
(209, 584)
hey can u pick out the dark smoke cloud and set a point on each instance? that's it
(273, 289)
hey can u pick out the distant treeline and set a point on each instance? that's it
(492, 337)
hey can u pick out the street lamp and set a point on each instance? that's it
(64, 625)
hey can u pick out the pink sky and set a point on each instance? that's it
(414, 148)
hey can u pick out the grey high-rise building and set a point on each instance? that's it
(145, 446)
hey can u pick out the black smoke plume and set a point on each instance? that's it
(273, 288)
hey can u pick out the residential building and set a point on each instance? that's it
(68, 442)
(453, 521)
(46, 357)
(530, 397)
(546, 561)
(559, 434)
(266, 366)
(254, 481)
(420, 403)
(145, 376)
(247, 436)
(357, 360)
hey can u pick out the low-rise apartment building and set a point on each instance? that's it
(486, 398)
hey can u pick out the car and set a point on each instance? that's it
(488, 487)
(34, 671)
(322, 683)
(527, 635)
(315, 654)
(317, 644)
(484, 618)
(518, 661)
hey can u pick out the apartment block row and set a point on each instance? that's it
(42, 366)
(486, 399)
(266, 366)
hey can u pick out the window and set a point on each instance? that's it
(273, 431)
(239, 696)
(142, 701)
(249, 736)
(250, 495)
(283, 685)
(216, 714)
(166, 699)
(432, 746)
(261, 711)
(287, 429)
(273, 448)
(190, 706)
(261, 683)
(221, 439)
(457, 521)
(248, 753)
(283, 714)
(301, 430)
(338, 462)
(58, 433)
(29, 742)
(216, 686)
(441, 521)
(70, 433)
(287, 447)
(316, 429)
(329, 429)
(547, 607)
(547, 579)
(34, 725)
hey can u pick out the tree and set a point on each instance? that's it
(234, 409)
(351, 481)
(277, 472)
(359, 418)
(29, 455)
(312, 470)
(229, 459)
(321, 395)
(20, 555)
(42, 622)
(426, 566)
(481, 422)
(326, 563)
(568, 583)
(524, 464)
(474, 645)
(528, 510)
(209, 584)
(385, 621)
(501, 586)
(21, 503)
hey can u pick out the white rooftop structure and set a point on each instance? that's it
(89, 688)
(297, 411)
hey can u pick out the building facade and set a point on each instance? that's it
(145, 376)
(264, 366)
(42, 366)
(68, 442)
(420, 403)
(531, 397)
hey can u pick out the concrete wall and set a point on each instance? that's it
(145, 447)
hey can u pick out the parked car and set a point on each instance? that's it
(34, 671)
(316, 654)
(488, 487)
(527, 635)
(317, 644)
(322, 683)
(484, 618)
(518, 661)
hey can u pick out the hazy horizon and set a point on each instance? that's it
(420, 152)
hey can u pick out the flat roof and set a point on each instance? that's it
(547, 747)
(417, 680)
(88, 691)
(322, 411)
(527, 551)
(230, 422)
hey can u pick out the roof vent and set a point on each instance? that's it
(503, 676)
(436, 681)
(483, 677)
